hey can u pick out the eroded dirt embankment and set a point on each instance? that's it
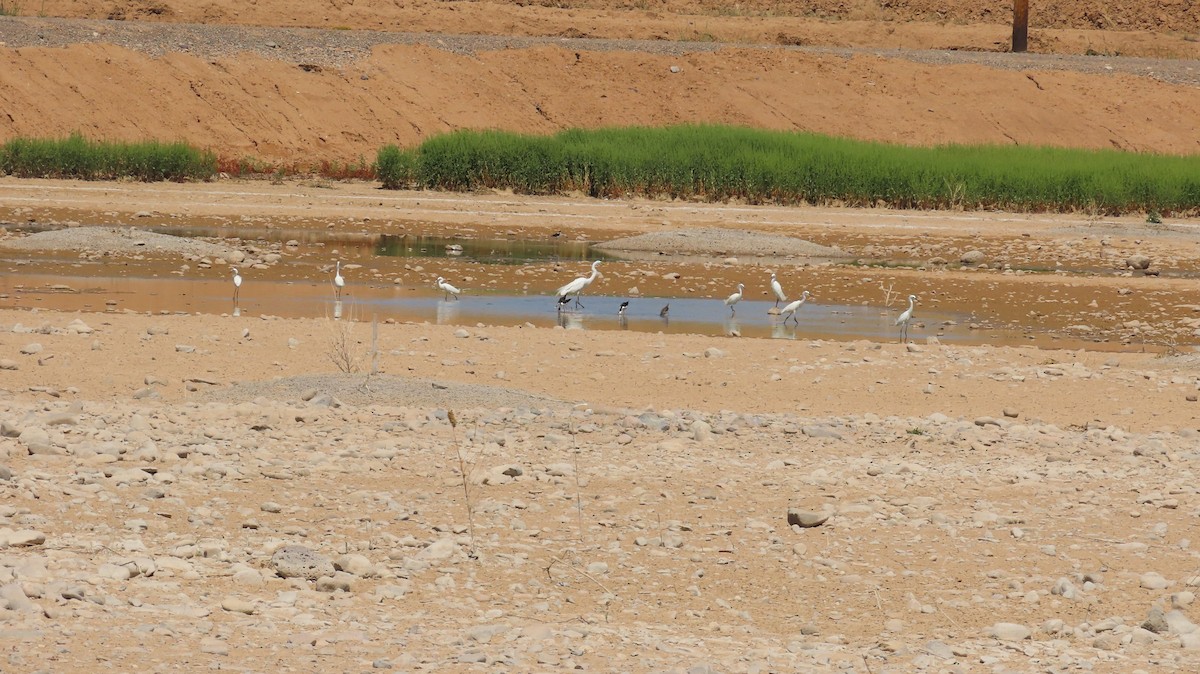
(277, 111)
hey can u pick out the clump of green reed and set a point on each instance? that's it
(78, 157)
(721, 163)
(395, 168)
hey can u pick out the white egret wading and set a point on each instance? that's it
(237, 283)
(447, 288)
(734, 299)
(905, 318)
(778, 290)
(577, 286)
(790, 310)
(338, 281)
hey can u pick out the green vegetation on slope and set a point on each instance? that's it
(77, 157)
(718, 163)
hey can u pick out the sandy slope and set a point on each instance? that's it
(250, 107)
(264, 106)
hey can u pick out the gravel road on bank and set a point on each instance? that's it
(338, 48)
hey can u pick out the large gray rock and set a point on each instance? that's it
(806, 518)
(298, 561)
(37, 441)
(1010, 632)
(1155, 622)
(1138, 261)
(971, 257)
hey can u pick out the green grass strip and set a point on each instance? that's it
(78, 157)
(721, 163)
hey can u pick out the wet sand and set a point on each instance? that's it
(1050, 280)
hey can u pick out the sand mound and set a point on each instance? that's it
(116, 240)
(716, 241)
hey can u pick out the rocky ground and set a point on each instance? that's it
(958, 512)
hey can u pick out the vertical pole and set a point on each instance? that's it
(1020, 38)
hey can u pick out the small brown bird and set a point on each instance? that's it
(664, 311)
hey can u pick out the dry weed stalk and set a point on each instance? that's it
(609, 595)
(342, 348)
(578, 493)
(888, 293)
(464, 469)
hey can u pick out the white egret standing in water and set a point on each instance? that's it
(577, 286)
(734, 299)
(778, 290)
(447, 288)
(338, 281)
(905, 318)
(790, 310)
(237, 284)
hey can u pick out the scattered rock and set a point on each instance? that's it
(298, 561)
(1137, 261)
(806, 518)
(1010, 632)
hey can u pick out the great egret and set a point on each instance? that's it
(338, 281)
(778, 290)
(447, 288)
(905, 318)
(237, 283)
(734, 299)
(621, 309)
(577, 286)
(790, 310)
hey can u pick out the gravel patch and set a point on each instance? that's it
(382, 390)
(115, 240)
(337, 48)
(717, 241)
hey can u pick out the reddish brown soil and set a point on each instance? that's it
(265, 107)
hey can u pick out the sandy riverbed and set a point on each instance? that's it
(200, 490)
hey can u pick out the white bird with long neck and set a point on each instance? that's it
(905, 318)
(790, 310)
(577, 286)
(447, 288)
(338, 281)
(734, 299)
(778, 290)
(237, 283)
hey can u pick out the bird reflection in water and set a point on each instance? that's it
(570, 320)
(733, 327)
(782, 331)
(447, 311)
